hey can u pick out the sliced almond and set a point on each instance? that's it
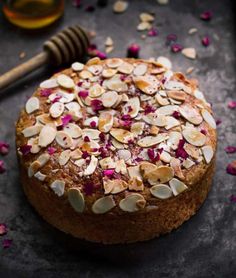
(133, 202)
(115, 84)
(114, 62)
(64, 157)
(134, 171)
(92, 166)
(32, 105)
(64, 139)
(208, 153)
(33, 168)
(49, 84)
(137, 128)
(58, 186)
(155, 119)
(208, 118)
(126, 68)
(121, 167)
(109, 41)
(117, 186)
(40, 176)
(161, 191)
(120, 6)
(167, 110)
(103, 205)
(109, 98)
(165, 62)
(73, 130)
(85, 74)
(95, 69)
(65, 81)
(77, 66)
(146, 17)
(43, 159)
(194, 137)
(73, 106)
(142, 26)
(79, 162)
(117, 144)
(76, 199)
(178, 95)
(188, 163)
(132, 107)
(189, 52)
(57, 109)
(96, 91)
(161, 174)
(88, 121)
(173, 139)
(154, 130)
(32, 130)
(177, 186)
(146, 167)
(124, 154)
(90, 147)
(47, 135)
(147, 84)
(63, 96)
(76, 154)
(122, 135)
(161, 100)
(191, 150)
(108, 73)
(33, 142)
(136, 184)
(175, 164)
(91, 133)
(105, 122)
(165, 157)
(191, 114)
(149, 141)
(141, 69)
(171, 122)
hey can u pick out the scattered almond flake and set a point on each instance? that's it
(177, 186)
(73, 130)
(64, 157)
(79, 162)
(76, 199)
(114, 62)
(171, 122)
(38, 175)
(43, 159)
(133, 50)
(57, 109)
(161, 191)
(65, 81)
(208, 153)
(77, 66)
(192, 31)
(33, 168)
(142, 26)
(76, 154)
(178, 95)
(134, 172)
(117, 144)
(32, 130)
(189, 53)
(161, 174)
(133, 202)
(176, 166)
(116, 85)
(124, 154)
(167, 110)
(84, 74)
(61, 96)
(109, 41)
(126, 68)
(22, 55)
(91, 122)
(92, 134)
(173, 140)
(165, 62)
(191, 114)
(163, 2)
(64, 139)
(3, 229)
(136, 184)
(49, 84)
(107, 163)
(146, 17)
(161, 100)
(120, 6)
(147, 84)
(92, 166)
(4, 148)
(194, 137)
(117, 186)
(208, 118)
(121, 167)
(137, 128)
(109, 98)
(47, 135)
(109, 49)
(58, 186)
(132, 107)
(154, 130)
(165, 157)
(122, 135)
(189, 70)
(105, 122)
(34, 147)
(149, 141)
(95, 69)
(141, 69)
(188, 163)
(103, 205)
(191, 150)
(155, 119)
(32, 105)
(107, 73)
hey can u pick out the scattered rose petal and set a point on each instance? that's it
(231, 168)
(232, 104)
(93, 124)
(108, 172)
(25, 149)
(83, 93)
(96, 105)
(180, 151)
(88, 188)
(3, 229)
(6, 243)
(56, 99)
(207, 15)
(218, 122)
(45, 92)
(148, 109)
(85, 154)
(230, 149)
(86, 139)
(203, 131)
(152, 32)
(232, 198)
(51, 150)
(176, 47)
(66, 119)
(4, 148)
(205, 41)
(176, 114)
(2, 167)
(133, 51)
(171, 38)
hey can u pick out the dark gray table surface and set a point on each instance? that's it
(205, 246)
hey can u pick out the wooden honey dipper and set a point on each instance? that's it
(66, 46)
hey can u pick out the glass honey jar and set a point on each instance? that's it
(33, 14)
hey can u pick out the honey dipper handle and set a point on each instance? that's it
(19, 71)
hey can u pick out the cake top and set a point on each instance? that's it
(118, 135)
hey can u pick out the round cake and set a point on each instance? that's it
(117, 150)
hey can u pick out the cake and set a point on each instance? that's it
(117, 150)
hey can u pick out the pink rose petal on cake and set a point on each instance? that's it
(232, 104)
(207, 15)
(176, 114)
(108, 172)
(175, 48)
(3, 229)
(180, 151)
(133, 50)
(83, 93)
(51, 150)
(231, 168)
(45, 92)
(85, 154)
(232, 198)
(4, 148)
(93, 124)
(96, 105)
(56, 99)
(66, 119)
(88, 188)
(25, 149)
(6, 243)
(230, 149)
(149, 109)
(205, 41)
(2, 167)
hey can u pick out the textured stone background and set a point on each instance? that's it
(205, 246)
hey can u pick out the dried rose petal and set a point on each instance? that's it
(126, 117)
(85, 154)
(4, 148)
(6, 243)
(133, 51)
(108, 172)
(205, 41)
(88, 188)
(203, 131)
(180, 151)
(148, 109)
(230, 149)
(96, 105)
(218, 122)
(93, 124)
(231, 168)
(152, 32)
(45, 92)
(102, 137)
(207, 15)
(176, 114)
(171, 38)
(83, 93)
(90, 8)
(2, 167)
(56, 99)
(51, 150)
(232, 198)
(3, 229)
(101, 55)
(176, 47)
(86, 139)
(152, 156)
(25, 149)
(126, 123)
(66, 119)
(232, 104)
(103, 153)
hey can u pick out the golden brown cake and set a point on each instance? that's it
(115, 151)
